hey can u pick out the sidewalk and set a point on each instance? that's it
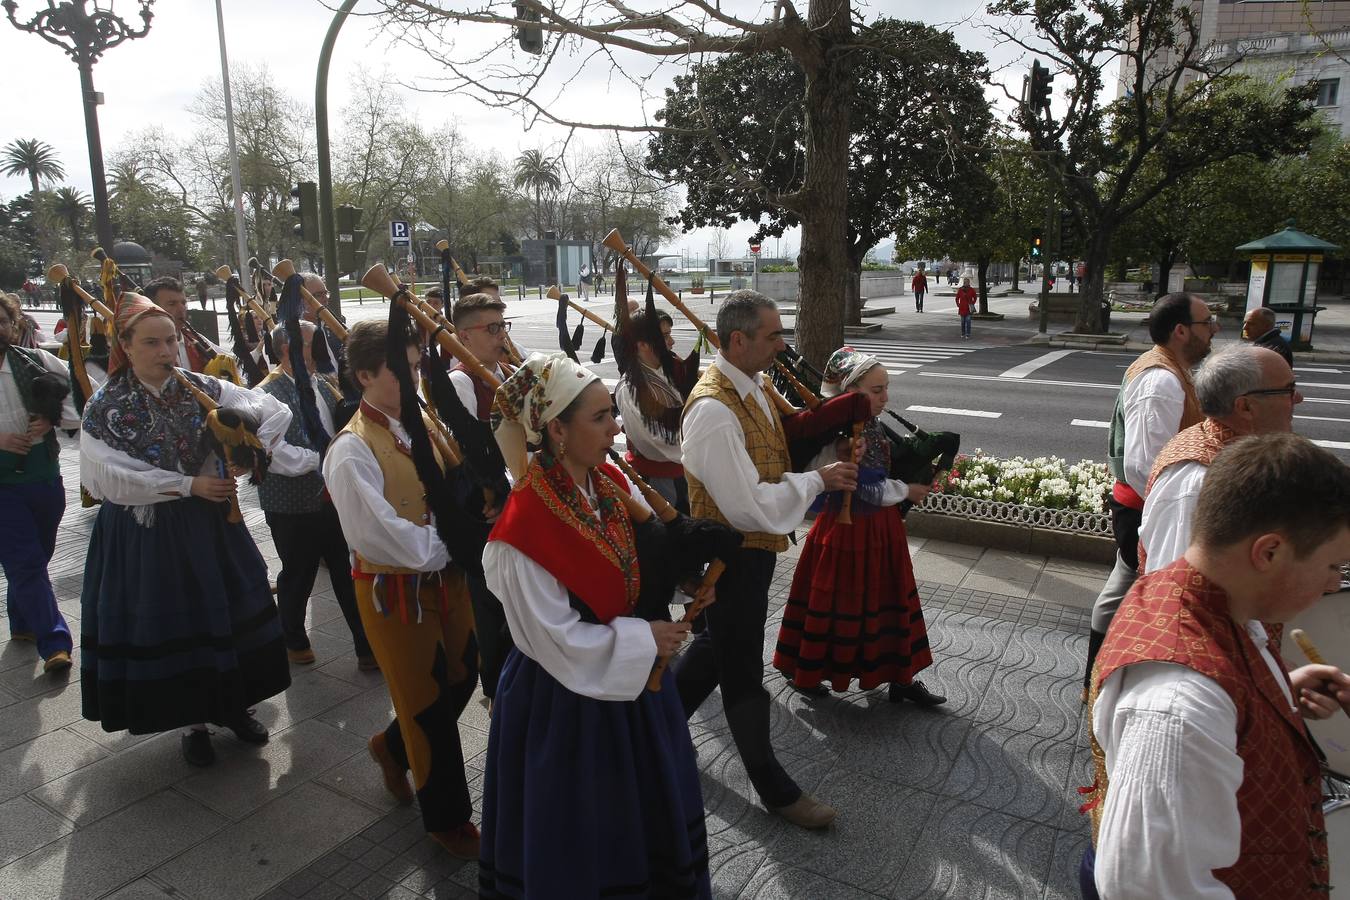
(975, 799)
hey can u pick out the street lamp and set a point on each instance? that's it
(85, 36)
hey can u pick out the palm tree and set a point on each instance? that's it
(36, 159)
(72, 206)
(537, 172)
(126, 177)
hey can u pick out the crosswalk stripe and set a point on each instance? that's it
(946, 411)
(1090, 423)
(1334, 445)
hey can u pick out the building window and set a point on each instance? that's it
(1328, 91)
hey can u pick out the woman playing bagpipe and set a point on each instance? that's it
(853, 609)
(178, 624)
(412, 543)
(591, 787)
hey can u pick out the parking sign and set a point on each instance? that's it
(400, 235)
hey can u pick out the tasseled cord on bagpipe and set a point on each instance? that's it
(462, 535)
(288, 311)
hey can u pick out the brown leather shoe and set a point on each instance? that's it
(807, 812)
(301, 657)
(461, 843)
(395, 778)
(57, 662)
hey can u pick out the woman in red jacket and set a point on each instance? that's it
(965, 305)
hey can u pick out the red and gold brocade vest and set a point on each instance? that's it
(482, 393)
(1200, 443)
(1176, 615)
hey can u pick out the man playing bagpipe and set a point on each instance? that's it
(298, 509)
(195, 352)
(737, 463)
(34, 399)
(412, 545)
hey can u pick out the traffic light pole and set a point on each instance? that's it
(327, 232)
(1045, 266)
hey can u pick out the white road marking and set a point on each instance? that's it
(1319, 371)
(1334, 445)
(1087, 384)
(1026, 368)
(1324, 384)
(1322, 419)
(1307, 399)
(1090, 423)
(942, 410)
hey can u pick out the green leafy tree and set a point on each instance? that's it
(34, 159)
(1176, 109)
(757, 105)
(72, 207)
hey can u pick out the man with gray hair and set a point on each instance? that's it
(1242, 390)
(1262, 329)
(737, 465)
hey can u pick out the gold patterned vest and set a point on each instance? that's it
(402, 488)
(764, 441)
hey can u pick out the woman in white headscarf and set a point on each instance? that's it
(853, 609)
(591, 787)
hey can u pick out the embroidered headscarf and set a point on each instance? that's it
(845, 366)
(543, 386)
(132, 308)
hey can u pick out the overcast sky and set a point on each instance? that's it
(152, 80)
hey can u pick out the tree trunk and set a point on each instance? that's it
(982, 274)
(1017, 274)
(1089, 318)
(1166, 260)
(824, 258)
(853, 294)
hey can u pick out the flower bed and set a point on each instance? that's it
(1045, 492)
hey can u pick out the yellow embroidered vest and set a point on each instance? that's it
(764, 441)
(402, 488)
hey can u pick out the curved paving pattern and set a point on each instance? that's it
(976, 799)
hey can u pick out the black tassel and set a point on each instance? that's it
(576, 338)
(289, 309)
(599, 352)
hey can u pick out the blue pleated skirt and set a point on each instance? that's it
(178, 625)
(587, 798)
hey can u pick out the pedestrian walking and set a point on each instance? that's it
(919, 285)
(965, 305)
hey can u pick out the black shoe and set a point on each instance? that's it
(246, 728)
(819, 690)
(915, 692)
(197, 749)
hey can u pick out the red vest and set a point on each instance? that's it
(1176, 615)
(481, 392)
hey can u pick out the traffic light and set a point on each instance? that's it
(306, 209)
(1038, 97)
(349, 238)
(1037, 242)
(531, 39)
(1068, 233)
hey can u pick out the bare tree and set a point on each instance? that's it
(823, 42)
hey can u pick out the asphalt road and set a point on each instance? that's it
(1009, 399)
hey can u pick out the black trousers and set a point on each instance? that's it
(494, 637)
(1125, 524)
(302, 541)
(729, 654)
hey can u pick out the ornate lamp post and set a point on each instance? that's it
(85, 35)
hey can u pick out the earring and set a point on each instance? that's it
(562, 451)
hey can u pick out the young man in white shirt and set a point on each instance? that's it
(1207, 782)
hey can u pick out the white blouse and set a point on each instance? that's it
(118, 477)
(604, 662)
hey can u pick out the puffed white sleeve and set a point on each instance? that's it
(605, 662)
(1154, 405)
(464, 390)
(371, 526)
(714, 453)
(274, 418)
(117, 477)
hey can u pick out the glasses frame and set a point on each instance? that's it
(1211, 321)
(1271, 392)
(492, 328)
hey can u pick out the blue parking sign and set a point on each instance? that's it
(399, 234)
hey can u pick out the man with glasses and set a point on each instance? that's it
(1156, 400)
(325, 364)
(482, 328)
(1242, 390)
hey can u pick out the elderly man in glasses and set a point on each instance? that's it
(1155, 401)
(1242, 390)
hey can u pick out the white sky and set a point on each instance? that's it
(152, 80)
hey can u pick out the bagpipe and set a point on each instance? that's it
(233, 437)
(243, 331)
(48, 393)
(73, 299)
(483, 469)
(571, 343)
(807, 429)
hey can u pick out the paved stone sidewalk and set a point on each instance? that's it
(976, 799)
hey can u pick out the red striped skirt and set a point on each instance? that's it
(853, 610)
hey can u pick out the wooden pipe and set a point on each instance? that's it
(378, 279)
(660, 505)
(224, 274)
(1307, 646)
(284, 270)
(615, 242)
(212, 409)
(59, 274)
(714, 572)
(555, 294)
(846, 509)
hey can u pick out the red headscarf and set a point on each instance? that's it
(131, 309)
